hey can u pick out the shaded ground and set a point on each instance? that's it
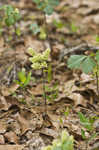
(22, 124)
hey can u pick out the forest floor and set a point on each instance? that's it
(73, 25)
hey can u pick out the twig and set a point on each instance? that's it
(82, 47)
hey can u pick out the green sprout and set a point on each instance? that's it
(97, 38)
(87, 123)
(47, 8)
(74, 28)
(23, 79)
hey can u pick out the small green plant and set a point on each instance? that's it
(87, 123)
(74, 28)
(97, 39)
(34, 28)
(52, 92)
(42, 34)
(66, 142)
(67, 111)
(40, 61)
(88, 64)
(9, 16)
(23, 78)
(58, 24)
(47, 6)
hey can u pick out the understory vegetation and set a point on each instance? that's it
(49, 75)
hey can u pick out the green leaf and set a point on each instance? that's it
(75, 61)
(42, 34)
(2, 7)
(22, 76)
(97, 38)
(18, 31)
(10, 20)
(53, 3)
(85, 121)
(82, 117)
(47, 6)
(83, 62)
(9, 10)
(58, 24)
(48, 9)
(68, 143)
(74, 28)
(36, 1)
(34, 28)
(83, 134)
(28, 78)
(41, 5)
(18, 82)
(88, 65)
(17, 16)
(57, 148)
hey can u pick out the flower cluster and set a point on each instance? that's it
(64, 143)
(39, 60)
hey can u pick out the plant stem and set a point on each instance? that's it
(45, 102)
(97, 83)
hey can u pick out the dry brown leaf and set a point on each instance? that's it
(3, 103)
(78, 99)
(11, 147)
(8, 91)
(35, 44)
(11, 137)
(23, 123)
(96, 19)
(1, 45)
(2, 127)
(38, 90)
(56, 49)
(35, 143)
(55, 120)
(49, 132)
(85, 77)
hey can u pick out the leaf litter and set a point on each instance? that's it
(23, 126)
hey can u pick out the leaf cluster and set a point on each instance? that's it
(88, 124)
(47, 6)
(86, 63)
(11, 15)
(64, 143)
